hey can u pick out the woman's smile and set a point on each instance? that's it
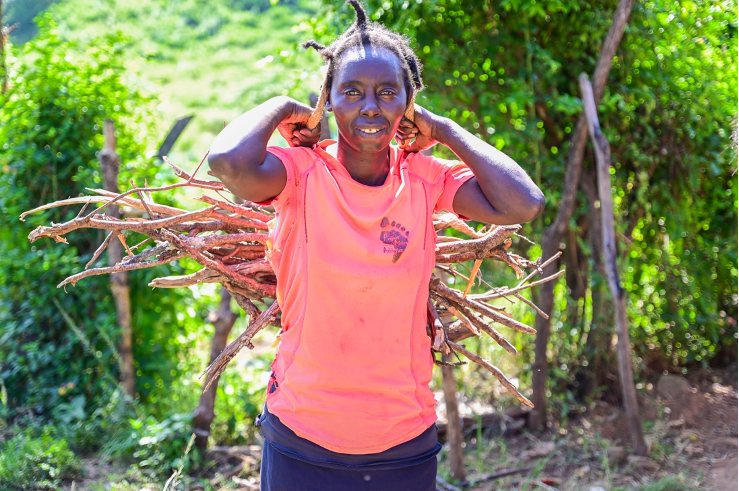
(371, 132)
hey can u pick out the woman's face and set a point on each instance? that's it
(368, 97)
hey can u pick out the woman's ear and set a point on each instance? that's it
(327, 106)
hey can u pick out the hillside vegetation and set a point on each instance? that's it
(212, 59)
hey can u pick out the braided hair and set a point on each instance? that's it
(367, 33)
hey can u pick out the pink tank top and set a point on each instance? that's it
(353, 264)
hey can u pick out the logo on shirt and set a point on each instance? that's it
(395, 236)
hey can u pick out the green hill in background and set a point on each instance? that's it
(213, 59)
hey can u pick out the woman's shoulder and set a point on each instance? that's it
(430, 168)
(296, 159)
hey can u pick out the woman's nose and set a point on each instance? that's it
(370, 108)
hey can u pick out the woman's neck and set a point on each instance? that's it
(368, 168)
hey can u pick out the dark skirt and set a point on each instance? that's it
(291, 463)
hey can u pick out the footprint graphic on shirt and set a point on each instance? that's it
(395, 235)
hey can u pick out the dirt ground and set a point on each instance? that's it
(692, 439)
(690, 428)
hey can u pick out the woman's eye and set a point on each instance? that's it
(351, 92)
(387, 92)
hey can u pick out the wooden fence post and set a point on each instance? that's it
(110, 164)
(625, 368)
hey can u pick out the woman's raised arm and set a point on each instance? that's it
(501, 192)
(239, 157)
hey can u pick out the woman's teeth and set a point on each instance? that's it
(370, 131)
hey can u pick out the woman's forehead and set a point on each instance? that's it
(369, 62)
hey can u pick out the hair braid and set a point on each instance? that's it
(364, 32)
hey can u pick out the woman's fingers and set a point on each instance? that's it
(406, 135)
(305, 137)
(308, 133)
(406, 123)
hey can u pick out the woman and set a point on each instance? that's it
(348, 404)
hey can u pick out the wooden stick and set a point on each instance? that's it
(496, 237)
(498, 475)
(475, 268)
(117, 269)
(123, 241)
(190, 179)
(242, 210)
(234, 277)
(215, 369)
(479, 323)
(90, 221)
(540, 268)
(492, 369)
(463, 320)
(484, 309)
(505, 293)
(100, 250)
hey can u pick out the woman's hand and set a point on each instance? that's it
(293, 128)
(418, 135)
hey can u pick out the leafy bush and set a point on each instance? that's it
(36, 459)
(157, 446)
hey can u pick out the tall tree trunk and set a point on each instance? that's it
(625, 364)
(110, 163)
(454, 423)
(223, 320)
(553, 233)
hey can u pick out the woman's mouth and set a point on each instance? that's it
(370, 131)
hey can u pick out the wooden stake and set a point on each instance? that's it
(223, 320)
(625, 365)
(109, 162)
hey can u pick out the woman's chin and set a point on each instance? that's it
(372, 143)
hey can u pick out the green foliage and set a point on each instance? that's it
(50, 129)
(675, 186)
(37, 459)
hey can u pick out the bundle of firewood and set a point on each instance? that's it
(228, 239)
